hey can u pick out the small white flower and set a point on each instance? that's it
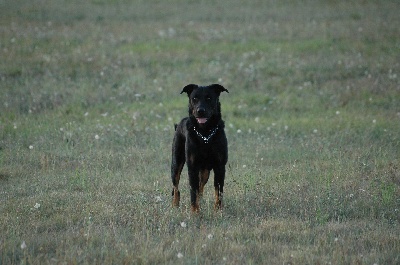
(183, 224)
(37, 206)
(244, 166)
(257, 119)
(336, 239)
(180, 255)
(97, 137)
(158, 199)
(337, 112)
(210, 236)
(374, 121)
(315, 131)
(171, 32)
(31, 147)
(239, 131)
(23, 245)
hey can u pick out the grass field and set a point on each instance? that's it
(89, 93)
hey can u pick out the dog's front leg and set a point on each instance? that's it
(219, 179)
(194, 187)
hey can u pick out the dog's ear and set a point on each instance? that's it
(218, 88)
(189, 89)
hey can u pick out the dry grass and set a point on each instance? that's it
(89, 96)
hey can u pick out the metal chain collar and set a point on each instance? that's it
(206, 139)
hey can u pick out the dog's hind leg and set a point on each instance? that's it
(178, 161)
(204, 175)
(176, 196)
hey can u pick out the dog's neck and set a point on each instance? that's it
(207, 138)
(208, 131)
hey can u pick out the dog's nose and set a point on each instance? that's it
(201, 111)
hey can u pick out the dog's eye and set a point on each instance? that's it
(195, 99)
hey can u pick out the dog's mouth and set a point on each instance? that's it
(201, 120)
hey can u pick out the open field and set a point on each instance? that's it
(89, 93)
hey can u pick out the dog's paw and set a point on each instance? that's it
(176, 196)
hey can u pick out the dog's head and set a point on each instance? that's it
(204, 103)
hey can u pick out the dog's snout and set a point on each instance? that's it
(201, 111)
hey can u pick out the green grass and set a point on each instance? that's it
(89, 96)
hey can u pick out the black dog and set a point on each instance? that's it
(200, 141)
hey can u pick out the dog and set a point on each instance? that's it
(201, 143)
